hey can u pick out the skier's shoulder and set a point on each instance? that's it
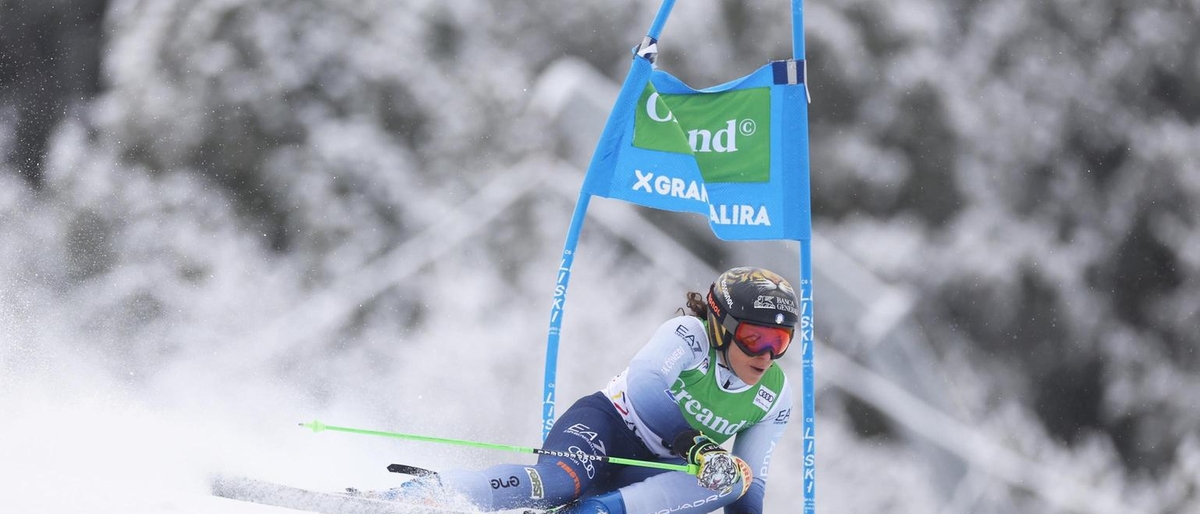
(684, 322)
(684, 331)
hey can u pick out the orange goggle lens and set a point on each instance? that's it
(759, 339)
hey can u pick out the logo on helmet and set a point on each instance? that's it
(764, 302)
(776, 303)
(712, 304)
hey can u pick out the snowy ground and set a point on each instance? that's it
(72, 442)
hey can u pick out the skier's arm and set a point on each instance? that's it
(754, 445)
(678, 344)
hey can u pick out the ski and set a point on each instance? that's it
(279, 495)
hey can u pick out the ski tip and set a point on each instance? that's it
(405, 469)
(315, 425)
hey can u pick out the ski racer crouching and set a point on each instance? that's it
(701, 380)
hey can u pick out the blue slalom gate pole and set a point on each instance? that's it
(568, 256)
(556, 311)
(808, 401)
(660, 19)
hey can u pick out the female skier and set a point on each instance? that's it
(700, 380)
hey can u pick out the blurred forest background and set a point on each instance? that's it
(239, 214)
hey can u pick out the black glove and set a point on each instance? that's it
(715, 467)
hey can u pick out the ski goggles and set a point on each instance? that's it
(755, 339)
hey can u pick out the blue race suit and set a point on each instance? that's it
(636, 416)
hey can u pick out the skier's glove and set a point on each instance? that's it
(717, 469)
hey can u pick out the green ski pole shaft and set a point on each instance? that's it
(317, 426)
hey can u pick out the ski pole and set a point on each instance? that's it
(317, 426)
